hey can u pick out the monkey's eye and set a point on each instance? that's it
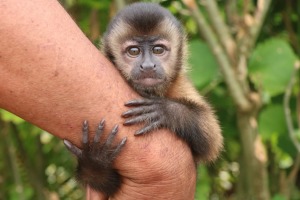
(133, 51)
(158, 50)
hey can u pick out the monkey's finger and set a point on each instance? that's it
(111, 136)
(139, 102)
(141, 118)
(99, 131)
(73, 149)
(147, 129)
(137, 111)
(85, 132)
(119, 147)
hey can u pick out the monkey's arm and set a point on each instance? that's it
(95, 160)
(183, 112)
(207, 120)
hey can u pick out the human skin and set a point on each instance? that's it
(52, 76)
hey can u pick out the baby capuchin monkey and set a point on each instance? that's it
(148, 46)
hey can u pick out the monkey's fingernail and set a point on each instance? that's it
(67, 143)
(85, 126)
(123, 141)
(115, 129)
(127, 122)
(135, 102)
(101, 124)
(130, 103)
(72, 148)
(126, 114)
(141, 132)
(85, 123)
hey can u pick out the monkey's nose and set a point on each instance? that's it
(148, 67)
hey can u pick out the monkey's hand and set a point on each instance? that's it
(95, 160)
(193, 123)
(152, 112)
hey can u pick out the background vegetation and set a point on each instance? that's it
(244, 57)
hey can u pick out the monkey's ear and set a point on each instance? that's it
(73, 149)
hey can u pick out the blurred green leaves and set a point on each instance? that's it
(271, 121)
(271, 65)
(204, 68)
(9, 117)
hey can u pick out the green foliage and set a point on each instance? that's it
(272, 121)
(9, 117)
(203, 187)
(271, 66)
(272, 127)
(278, 197)
(204, 68)
(29, 154)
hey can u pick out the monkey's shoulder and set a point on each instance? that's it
(183, 88)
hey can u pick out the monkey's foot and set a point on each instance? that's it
(96, 160)
(149, 111)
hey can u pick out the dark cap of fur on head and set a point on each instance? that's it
(144, 17)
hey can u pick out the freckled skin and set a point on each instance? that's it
(148, 46)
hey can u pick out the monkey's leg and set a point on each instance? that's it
(189, 121)
(95, 160)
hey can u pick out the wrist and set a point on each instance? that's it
(161, 163)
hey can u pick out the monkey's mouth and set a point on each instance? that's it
(148, 82)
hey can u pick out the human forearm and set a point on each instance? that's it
(46, 63)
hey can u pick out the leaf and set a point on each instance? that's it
(204, 68)
(278, 197)
(286, 145)
(9, 117)
(203, 187)
(271, 121)
(191, 26)
(271, 65)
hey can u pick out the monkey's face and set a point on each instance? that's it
(148, 47)
(147, 63)
(145, 59)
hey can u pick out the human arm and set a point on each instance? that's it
(52, 76)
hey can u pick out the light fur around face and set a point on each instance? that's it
(122, 33)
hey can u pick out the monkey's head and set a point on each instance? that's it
(148, 46)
